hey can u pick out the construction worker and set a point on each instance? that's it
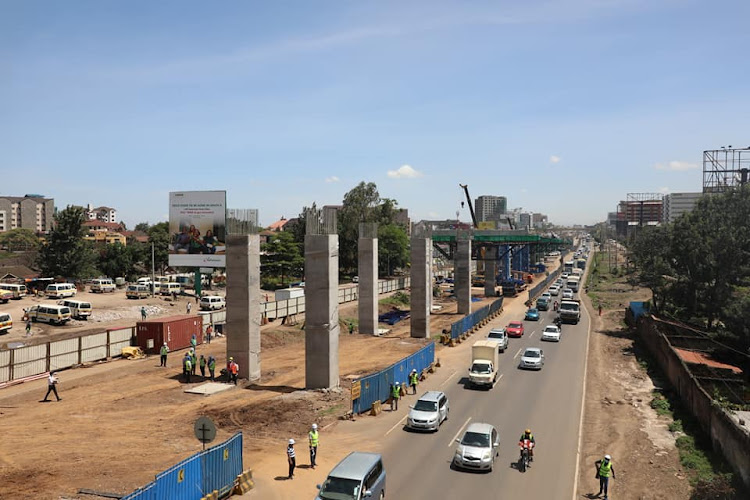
(143, 313)
(413, 380)
(211, 367)
(209, 332)
(291, 458)
(194, 342)
(189, 307)
(194, 360)
(234, 369)
(314, 439)
(604, 469)
(187, 367)
(202, 363)
(395, 394)
(163, 352)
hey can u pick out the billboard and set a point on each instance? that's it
(197, 228)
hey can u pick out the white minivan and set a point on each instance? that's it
(60, 290)
(103, 285)
(169, 288)
(212, 302)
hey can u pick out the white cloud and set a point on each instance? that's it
(524, 190)
(332, 178)
(405, 172)
(676, 166)
(554, 159)
(664, 190)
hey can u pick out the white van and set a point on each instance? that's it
(6, 322)
(169, 288)
(212, 302)
(573, 282)
(49, 313)
(103, 285)
(61, 290)
(78, 309)
(138, 291)
(18, 291)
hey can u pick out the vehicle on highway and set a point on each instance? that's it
(570, 311)
(514, 329)
(567, 294)
(542, 304)
(565, 276)
(359, 475)
(6, 322)
(103, 285)
(17, 291)
(212, 302)
(138, 291)
(551, 333)
(532, 314)
(546, 295)
(532, 359)
(499, 336)
(554, 290)
(523, 461)
(430, 410)
(484, 364)
(60, 290)
(573, 283)
(78, 309)
(48, 313)
(477, 448)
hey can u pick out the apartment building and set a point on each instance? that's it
(32, 211)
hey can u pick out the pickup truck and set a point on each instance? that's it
(570, 311)
(483, 371)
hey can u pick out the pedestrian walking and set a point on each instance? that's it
(314, 439)
(194, 342)
(351, 327)
(143, 313)
(163, 352)
(197, 298)
(234, 369)
(212, 367)
(395, 394)
(52, 382)
(189, 307)
(28, 328)
(209, 332)
(202, 364)
(174, 295)
(604, 470)
(193, 360)
(600, 309)
(187, 367)
(291, 458)
(413, 380)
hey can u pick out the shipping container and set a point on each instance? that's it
(289, 293)
(176, 331)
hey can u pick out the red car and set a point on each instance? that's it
(514, 329)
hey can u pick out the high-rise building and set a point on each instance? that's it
(489, 208)
(33, 211)
(676, 204)
(103, 214)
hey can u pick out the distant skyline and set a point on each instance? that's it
(562, 107)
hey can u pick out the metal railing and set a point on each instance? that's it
(469, 321)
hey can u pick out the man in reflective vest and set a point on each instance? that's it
(211, 367)
(395, 394)
(313, 437)
(234, 369)
(413, 380)
(187, 367)
(164, 351)
(604, 469)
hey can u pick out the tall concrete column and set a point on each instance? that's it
(421, 286)
(321, 311)
(243, 303)
(490, 279)
(462, 283)
(367, 267)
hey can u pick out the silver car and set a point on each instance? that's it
(532, 359)
(477, 449)
(430, 410)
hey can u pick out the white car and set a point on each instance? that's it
(551, 333)
(554, 290)
(567, 293)
(532, 359)
(499, 336)
(547, 295)
(565, 275)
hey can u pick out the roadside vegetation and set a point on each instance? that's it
(398, 299)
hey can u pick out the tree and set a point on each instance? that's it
(281, 257)
(115, 260)
(66, 253)
(650, 252)
(142, 227)
(360, 205)
(393, 248)
(19, 239)
(158, 235)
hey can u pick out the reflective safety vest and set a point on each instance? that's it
(203, 362)
(396, 391)
(605, 468)
(313, 438)
(193, 341)
(188, 364)
(164, 350)
(414, 379)
(211, 364)
(234, 368)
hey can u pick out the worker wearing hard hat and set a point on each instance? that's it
(291, 458)
(314, 439)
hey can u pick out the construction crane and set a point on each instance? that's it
(471, 207)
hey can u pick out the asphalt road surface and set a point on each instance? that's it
(548, 401)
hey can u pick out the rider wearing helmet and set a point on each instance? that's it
(528, 435)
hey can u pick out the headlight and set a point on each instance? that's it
(486, 456)
(458, 454)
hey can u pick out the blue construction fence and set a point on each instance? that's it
(376, 386)
(468, 322)
(538, 289)
(212, 469)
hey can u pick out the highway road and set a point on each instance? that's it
(548, 401)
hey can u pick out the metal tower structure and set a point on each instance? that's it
(725, 169)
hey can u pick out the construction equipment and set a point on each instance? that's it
(471, 207)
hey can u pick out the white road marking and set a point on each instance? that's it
(519, 352)
(583, 399)
(446, 380)
(532, 334)
(397, 424)
(459, 432)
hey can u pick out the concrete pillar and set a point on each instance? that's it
(321, 311)
(421, 286)
(489, 277)
(367, 267)
(462, 284)
(243, 303)
(507, 262)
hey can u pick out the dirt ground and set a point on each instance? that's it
(618, 419)
(121, 422)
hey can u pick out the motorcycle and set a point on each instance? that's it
(524, 459)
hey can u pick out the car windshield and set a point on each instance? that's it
(495, 335)
(423, 405)
(531, 311)
(476, 439)
(64, 310)
(514, 325)
(565, 306)
(336, 488)
(550, 329)
(480, 368)
(531, 354)
(84, 305)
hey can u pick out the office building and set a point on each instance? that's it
(676, 204)
(490, 208)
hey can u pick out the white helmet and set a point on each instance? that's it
(398, 383)
(607, 457)
(291, 441)
(315, 427)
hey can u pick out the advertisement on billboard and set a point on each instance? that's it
(197, 228)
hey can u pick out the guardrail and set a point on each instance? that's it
(469, 321)
(376, 386)
(537, 290)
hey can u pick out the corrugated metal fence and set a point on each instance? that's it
(376, 387)
(213, 469)
(539, 288)
(466, 323)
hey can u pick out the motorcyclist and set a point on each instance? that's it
(558, 321)
(527, 435)
(554, 306)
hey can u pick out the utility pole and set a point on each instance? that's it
(153, 273)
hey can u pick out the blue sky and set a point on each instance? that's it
(562, 106)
